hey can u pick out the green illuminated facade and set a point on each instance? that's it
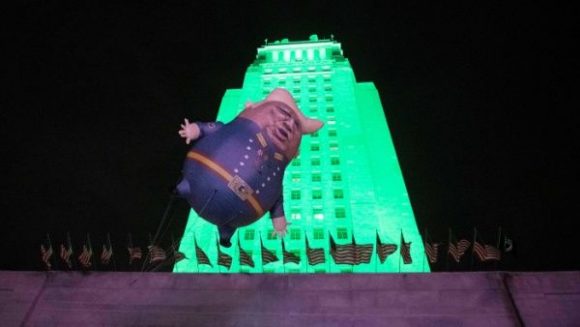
(346, 182)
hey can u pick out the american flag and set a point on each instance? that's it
(363, 252)
(135, 253)
(289, 256)
(267, 255)
(201, 257)
(156, 254)
(458, 250)
(65, 254)
(432, 251)
(224, 259)
(85, 257)
(486, 252)
(342, 254)
(384, 250)
(106, 254)
(245, 257)
(45, 255)
(315, 256)
(178, 256)
(406, 251)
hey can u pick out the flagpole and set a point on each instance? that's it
(148, 256)
(283, 263)
(447, 256)
(473, 247)
(50, 247)
(425, 253)
(130, 246)
(112, 253)
(69, 247)
(218, 254)
(400, 248)
(306, 252)
(92, 258)
(195, 249)
(376, 251)
(498, 249)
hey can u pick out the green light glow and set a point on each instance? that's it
(346, 181)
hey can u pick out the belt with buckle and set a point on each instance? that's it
(235, 183)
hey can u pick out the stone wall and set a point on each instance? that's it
(166, 299)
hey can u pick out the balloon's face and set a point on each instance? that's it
(280, 122)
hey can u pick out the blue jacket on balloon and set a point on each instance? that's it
(233, 172)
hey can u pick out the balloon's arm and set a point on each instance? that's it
(193, 131)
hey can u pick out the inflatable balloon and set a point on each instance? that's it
(233, 172)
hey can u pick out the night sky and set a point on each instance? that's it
(478, 101)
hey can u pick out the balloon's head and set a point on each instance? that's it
(285, 124)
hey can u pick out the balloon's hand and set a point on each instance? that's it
(189, 131)
(280, 226)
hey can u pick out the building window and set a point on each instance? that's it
(315, 147)
(310, 54)
(298, 55)
(316, 194)
(295, 214)
(316, 177)
(332, 132)
(315, 134)
(338, 194)
(341, 233)
(318, 234)
(340, 213)
(317, 213)
(333, 146)
(295, 195)
(334, 161)
(315, 161)
(249, 234)
(271, 235)
(295, 178)
(296, 162)
(295, 234)
(336, 177)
